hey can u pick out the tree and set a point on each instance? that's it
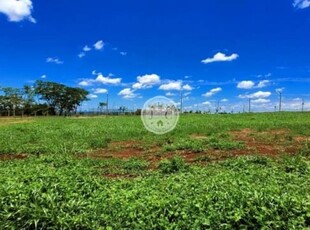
(11, 100)
(61, 98)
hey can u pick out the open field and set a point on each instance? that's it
(212, 171)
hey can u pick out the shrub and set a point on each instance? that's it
(172, 165)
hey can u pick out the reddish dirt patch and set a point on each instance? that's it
(269, 143)
(301, 139)
(5, 157)
(121, 149)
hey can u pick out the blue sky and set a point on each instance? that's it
(213, 51)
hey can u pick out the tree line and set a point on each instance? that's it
(41, 98)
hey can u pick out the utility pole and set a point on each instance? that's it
(280, 101)
(302, 105)
(243, 109)
(181, 109)
(249, 105)
(107, 105)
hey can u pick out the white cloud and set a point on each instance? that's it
(212, 92)
(259, 94)
(107, 80)
(280, 90)
(301, 4)
(17, 10)
(54, 60)
(146, 81)
(100, 91)
(260, 100)
(172, 85)
(82, 54)
(99, 45)
(207, 103)
(169, 94)
(224, 100)
(220, 57)
(92, 96)
(94, 72)
(100, 80)
(123, 53)
(127, 93)
(245, 85)
(85, 83)
(86, 48)
(263, 84)
(43, 76)
(187, 87)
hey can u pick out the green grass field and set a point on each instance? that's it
(212, 171)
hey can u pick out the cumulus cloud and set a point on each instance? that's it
(175, 85)
(108, 80)
(301, 4)
(99, 45)
(86, 48)
(251, 84)
(17, 10)
(169, 94)
(207, 103)
(100, 91)
(280, 90)
(43, 76)
(260, 100)
(212, 92)
(92, 96)
(224, 100)
(263, 84)
(54, 60)
(172, 85)
(146, 81)
(123, 53)
(127, 93)
(85, 83)
(256, 95)
(220, 57)
(245, 85)
(81, 55)
(187, 87)
(100, 79)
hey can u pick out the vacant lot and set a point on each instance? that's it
(212, 171)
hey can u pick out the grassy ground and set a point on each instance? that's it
(212, 171)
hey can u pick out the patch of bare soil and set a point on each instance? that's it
(120, 149)
(198, 136)
(5, 157)
(271, 143)
(10, 121)
(268, 143)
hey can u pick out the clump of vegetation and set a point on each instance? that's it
(305, 150)
(135, 164)
(172, 165)
(186, 144)
(216, 143)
